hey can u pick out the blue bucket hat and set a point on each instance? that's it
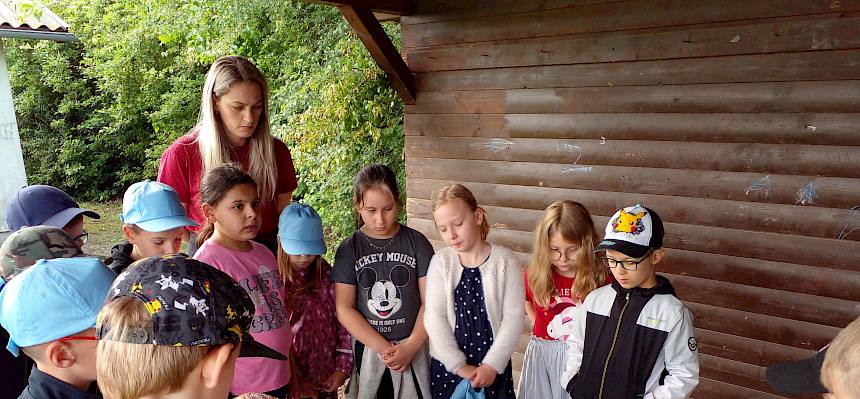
(53, 299)
(300, 230)
(43, 205)
(153, 207)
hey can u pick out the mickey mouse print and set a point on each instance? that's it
(386, 280)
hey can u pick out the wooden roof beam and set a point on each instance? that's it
(396, 7)
(365, 24)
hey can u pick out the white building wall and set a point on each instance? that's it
(12, 174)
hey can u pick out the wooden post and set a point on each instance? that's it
(364, 23)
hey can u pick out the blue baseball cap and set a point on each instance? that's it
(154, 207)
(43, 205)
(53, 299)
(300, 230)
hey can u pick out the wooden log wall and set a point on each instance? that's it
(737, 121)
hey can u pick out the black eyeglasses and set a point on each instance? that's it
(569, 254)
(629, 265)
(83, 237)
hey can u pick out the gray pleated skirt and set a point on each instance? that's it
(543, 363)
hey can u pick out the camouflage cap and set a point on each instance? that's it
(26, 246)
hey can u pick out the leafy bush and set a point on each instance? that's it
(95, 116)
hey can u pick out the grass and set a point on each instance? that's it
(106, 232)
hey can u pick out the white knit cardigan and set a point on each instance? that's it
(504, 297)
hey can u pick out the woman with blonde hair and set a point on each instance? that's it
(233, 126)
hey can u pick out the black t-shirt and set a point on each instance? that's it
(13, 370)
(386, 274)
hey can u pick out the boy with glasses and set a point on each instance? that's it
(632, 338)
(19, 251)
(45, 205)
(50, 311)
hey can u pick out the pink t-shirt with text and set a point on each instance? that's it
(257, 272)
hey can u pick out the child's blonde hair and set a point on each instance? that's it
(313, 279)
(129, 371)
(842, 362)
(573, 222)
(458, 191)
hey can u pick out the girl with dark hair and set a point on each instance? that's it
(232, 208)
(379, 273)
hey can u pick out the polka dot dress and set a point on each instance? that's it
(474, 335)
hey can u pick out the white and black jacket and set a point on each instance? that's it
(635, 343)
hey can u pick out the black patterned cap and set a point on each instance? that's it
(191, 303)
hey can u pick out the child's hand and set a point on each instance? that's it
(467, 371)
(484, 376)
(399, 357)
(334, 381)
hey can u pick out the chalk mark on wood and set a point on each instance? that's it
(852, 223)
(574, 168)
(807, 194)
(494, 145)
(763, 187)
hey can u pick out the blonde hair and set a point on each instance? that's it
(121, 374)
(573, 222)
(313, 280)
(458, 191)
(211, 140)
(842, 362)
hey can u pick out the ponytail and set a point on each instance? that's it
(205, 233)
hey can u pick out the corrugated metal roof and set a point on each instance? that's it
(14, 14)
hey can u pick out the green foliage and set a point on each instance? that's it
(95, 116)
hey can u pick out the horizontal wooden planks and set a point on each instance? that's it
(768, 97)
(686, 243)
(815, 66)
(842, 284)
(768, 128)
(769, 301)
(738, 374)
(812, 160)
(514, 230)
(682, 42)
(729, 335)
(741, 374)
(832, 192)
(610, 17)
(774, 218)
(715, 389)
(794, 333)
(746, 350)
(449, 10)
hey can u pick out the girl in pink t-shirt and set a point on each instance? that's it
(232, 208)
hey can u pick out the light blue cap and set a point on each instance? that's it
(52, 299)
(300, 230)
(153, 207)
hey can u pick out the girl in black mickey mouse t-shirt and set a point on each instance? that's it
(379, 273)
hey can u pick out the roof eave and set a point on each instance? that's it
(11, 33)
